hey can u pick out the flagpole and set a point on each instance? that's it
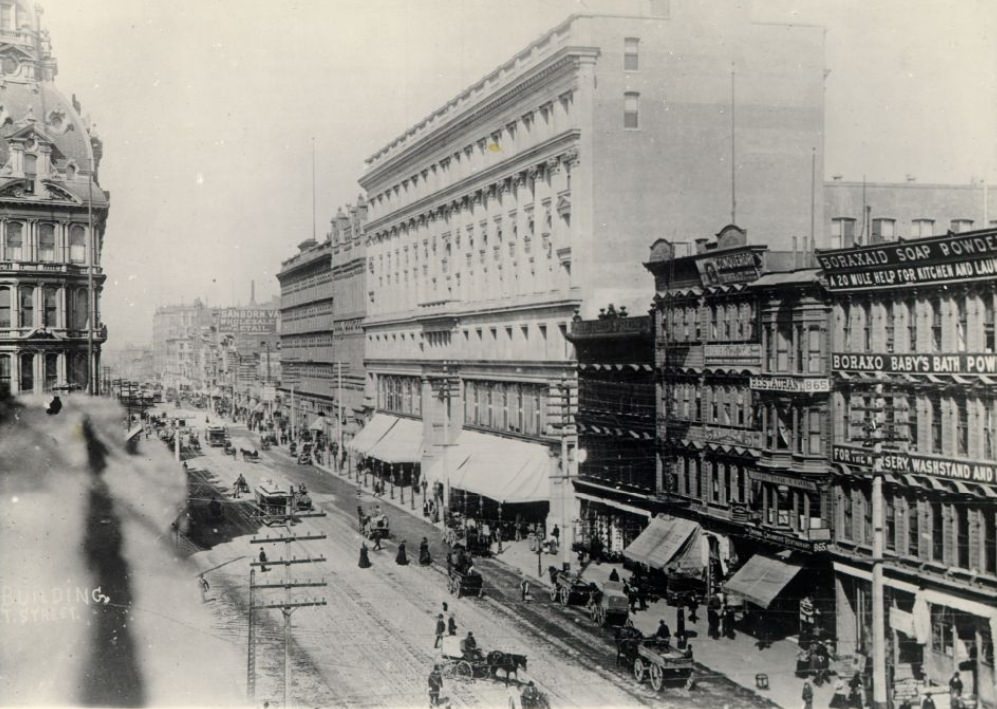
(91, 320)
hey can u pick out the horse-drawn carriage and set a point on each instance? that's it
(375, 525)
(460, 661)
(654, 659)
(569, 588)
(462, 578)
(250, 455)
(608, 604)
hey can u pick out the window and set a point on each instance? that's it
(890, 512)
(890, 330)
(867, 327)
(27, 372)
(46, 242)
(842, 233)
(960, 225)
(937, 531)
(814, 432)
(78, 310)
(15, 241)
(961, 324)
(936, 324)
(989, 430)
(813, 350)
(77, 244)
(631, 58)
(923, 228)
(962, 536)
(936, 424)
(913, 527)
(988, 322)
(962, 426)
(714, 317)
(714, 469)
(5, 307)
(51, 371)
(845, 531)
(26, 294)
(784, 337)
(78, 369)
(989, 526)
(631, 103)
(883, 230)
(912, 324)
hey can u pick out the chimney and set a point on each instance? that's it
(252, 292)
(701, 245)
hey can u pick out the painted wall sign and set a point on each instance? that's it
(951, 363)
(804, 385)
(734, 351)
(956, 257)
(736, 436)
(912, 464)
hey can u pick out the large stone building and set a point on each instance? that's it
(52, 220)
(524, 200)
(323, 300)
(915, 403)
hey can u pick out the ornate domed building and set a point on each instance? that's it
(52, 218)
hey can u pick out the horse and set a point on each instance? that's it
(507, 662)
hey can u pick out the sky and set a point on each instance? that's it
(209, 111)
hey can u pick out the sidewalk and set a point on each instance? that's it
(738, 659)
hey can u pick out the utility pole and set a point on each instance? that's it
(445, 398)
(288, 605)
(567, 528)
(879, 689)
(339, 417)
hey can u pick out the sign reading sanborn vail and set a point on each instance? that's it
(910, 463)
(795, 385)
(955, 363)
(247, 320)
(943, 258)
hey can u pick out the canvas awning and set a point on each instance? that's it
(660, 541)
(761, 579)
(402, 443)
(372, 433)
(502, 469)
(318, 424)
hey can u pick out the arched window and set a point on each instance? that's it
(46, 242)
(49, 306)
(27, 372)
(77, 244)
(27, 297)
(15, 241)
(78, 371)
(5, 307)
(78, 311)
(4, 374)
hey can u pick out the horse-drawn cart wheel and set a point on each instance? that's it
(553, 594)
(464, 669)
(457, 588)
(564, 594)
(657, 677)
(639, 670)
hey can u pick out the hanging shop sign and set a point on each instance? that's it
(739, 266)
(945, 258)
(912, 464)
(735, 353)
(793, 385)
(735, 436)
(952, 363)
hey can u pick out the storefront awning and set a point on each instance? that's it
(402, 443)
(318, 423)
(660, 541)
(501, 469)
(761, 579)
(372, 433)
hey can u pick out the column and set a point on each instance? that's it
(61, 369)
(15, 305)
(15, 371)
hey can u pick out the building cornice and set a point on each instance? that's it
(564, 61)
(539, 153)
(409, 318)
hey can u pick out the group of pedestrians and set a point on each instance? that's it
(719, 618)
(401, 555)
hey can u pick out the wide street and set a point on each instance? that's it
(372, 644)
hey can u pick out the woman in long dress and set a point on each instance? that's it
(400, 558)
(424, 558)
(364, 557)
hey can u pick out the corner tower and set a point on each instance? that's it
(52, 218)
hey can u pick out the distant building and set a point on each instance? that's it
(859, 213)
(131, 362)
(53, 215)
(523, 201)
(323, 302)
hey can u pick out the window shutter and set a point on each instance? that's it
(948, 535)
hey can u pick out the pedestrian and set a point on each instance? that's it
(424, 558)
(855, 700)
(441, 628)
(364, 558)
(451, 625)
(204, 585)
(401, 558)
(680, 621)
(955, 689)
(727, 619)
(663, 633)
(446, 608)
(614, 575)
(435, 686)
(524, 589)
(375, 534)
(556, 533)
(839, 699)
(928, 703)
(693, 605)
(712, 623)
(631, 595)
(808, 696)
(263, 561)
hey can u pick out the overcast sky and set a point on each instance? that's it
(207, 110)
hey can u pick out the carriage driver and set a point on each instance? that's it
(469, 646)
